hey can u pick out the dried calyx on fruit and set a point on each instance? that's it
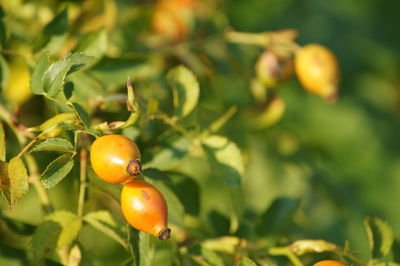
(115, 158)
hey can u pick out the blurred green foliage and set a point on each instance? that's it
(316, 174)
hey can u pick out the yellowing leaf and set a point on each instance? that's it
(13, 180)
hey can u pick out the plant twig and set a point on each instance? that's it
(82, 187)
(285, 251)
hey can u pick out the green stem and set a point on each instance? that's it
(82, 188)
(285, 251)
(172, 122)
(34, 180)
(261, 39)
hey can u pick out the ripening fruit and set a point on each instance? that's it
(144, 208)
(174, 19)
(329, 263)
(273, 69)
(115, 158)
(318, 71)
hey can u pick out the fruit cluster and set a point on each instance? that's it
(116, 159)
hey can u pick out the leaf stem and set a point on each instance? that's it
(285, 251)
(172, 122)
(82, 188)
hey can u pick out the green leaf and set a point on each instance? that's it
(396, 251)
(212, 257)
(2, 143)
(4, 73)
(54, 76)
(55, 121)
(380, 236)
(81, 113)
(94, 44)
(38, 72)
(54, 144)
(14, 180)
(104, 222)
(56, 171)
(44, 240)
(147, 244)
(132, 106)
(277, 216)
(186, 90)
(70, 225)
(53, 34)
(227, 157)
(245, 261)
(170, 156)
(112, 72)
(176, 210)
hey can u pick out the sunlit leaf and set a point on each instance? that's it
(301, 247)
(17, 180)
(70, 225)
(380, 236)
(227, 157)
(54, 144)
(56, 171)
(245, 261)
(75, 256)
(186, 90)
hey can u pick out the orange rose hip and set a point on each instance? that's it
(329, 263)
(145, 208)
(115, 158)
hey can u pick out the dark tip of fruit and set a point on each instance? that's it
(134, 168)
(164, 234)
